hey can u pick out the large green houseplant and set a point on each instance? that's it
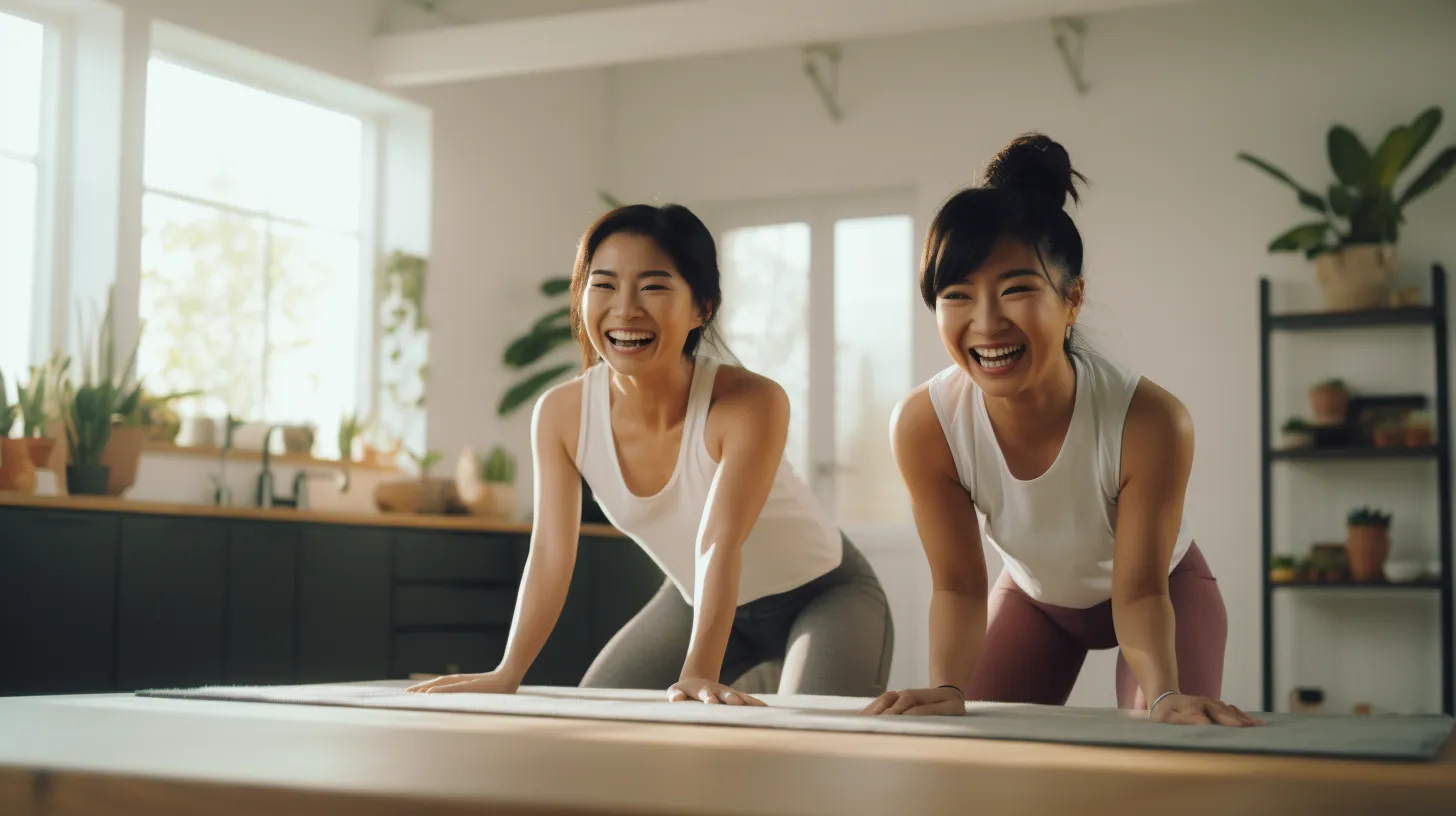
(1353, 241)
(548, 333)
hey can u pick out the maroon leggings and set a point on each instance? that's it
(1034, 651)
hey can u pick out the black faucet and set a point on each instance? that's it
(264, 494)
(299, 499)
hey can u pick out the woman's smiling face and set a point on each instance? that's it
(1005, 324)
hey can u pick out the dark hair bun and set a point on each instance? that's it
(1034, 165)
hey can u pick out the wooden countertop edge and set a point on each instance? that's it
(109, 504)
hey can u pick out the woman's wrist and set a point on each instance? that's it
(1160, 698)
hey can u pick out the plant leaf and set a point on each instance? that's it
(1306, 197)
(1392, 155)
(555, 286)
(1430, 177)
(1302, 238)
(609, 199)
(530, 347)
(549, 318)
(1423, 127)
(1348, 157)
(526, 389)
(1342, 201)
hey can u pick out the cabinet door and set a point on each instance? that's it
(626, 579)
(170, 607)
(262, 603)
(344, 583)
(57, 602)
(568, 651)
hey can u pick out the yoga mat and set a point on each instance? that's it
(1382, 737)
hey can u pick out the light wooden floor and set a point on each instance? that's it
(121, 754)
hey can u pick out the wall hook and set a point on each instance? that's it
(1069, 33)
(821, 65)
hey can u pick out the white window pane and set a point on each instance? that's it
(206, 137)
(313, 330)
(874, 294)
(17, 264)
(315, 165)
(765, 319)
(215, 139)
(203, 300)
(21, 63)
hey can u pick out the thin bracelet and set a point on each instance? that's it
(1159, 700)
(957, 689)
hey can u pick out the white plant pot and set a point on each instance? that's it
(1356, 277)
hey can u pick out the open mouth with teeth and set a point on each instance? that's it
(630, 341)
(998, 359)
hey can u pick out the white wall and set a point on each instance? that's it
(518, 163)
(1174, 226)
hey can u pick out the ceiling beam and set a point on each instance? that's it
(672, 29)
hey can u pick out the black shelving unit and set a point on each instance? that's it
(1433, 316)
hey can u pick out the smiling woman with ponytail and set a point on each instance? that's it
(1071, 465)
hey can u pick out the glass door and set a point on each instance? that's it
(819, 294)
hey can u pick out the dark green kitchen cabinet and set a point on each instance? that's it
(262, 603)
(171, 602)
(57, 601)
(344, 604)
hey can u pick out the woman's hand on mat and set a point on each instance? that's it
(488, 683)
(1188, 709)
(702, 690)
(918, 702)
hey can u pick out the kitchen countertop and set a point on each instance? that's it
(401, 520)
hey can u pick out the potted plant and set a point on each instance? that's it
(1389, 434)
(424, 494)
(350, 430)
(1418, 433)
(1367, 543)
(88, 411)
(17, 472)
(1297, 433)
(35, 417)
(1330, 402)
(1283, 569)
(1353, 242)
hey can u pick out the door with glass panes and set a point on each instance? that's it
(819, 295)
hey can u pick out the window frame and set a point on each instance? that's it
(57, 46)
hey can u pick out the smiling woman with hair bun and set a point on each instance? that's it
(1071, 465)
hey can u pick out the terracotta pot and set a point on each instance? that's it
(1419, 436)
(1367, 546)
(1388, 437)
(1356, 277)
(17, 471)
(495, 500)
(40, 450)
(122, 455)
(1330, 404)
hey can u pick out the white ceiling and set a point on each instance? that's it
(425, 42)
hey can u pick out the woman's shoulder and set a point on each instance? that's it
(738, 389)
(558, 411)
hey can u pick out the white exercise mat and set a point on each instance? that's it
(1375, 737)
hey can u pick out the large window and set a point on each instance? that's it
(22, 69)
(252, 261)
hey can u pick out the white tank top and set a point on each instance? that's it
(1055, 532)
(793, 542)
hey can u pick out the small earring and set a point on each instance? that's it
(1069, 332)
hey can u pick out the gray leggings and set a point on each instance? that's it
(833, 634)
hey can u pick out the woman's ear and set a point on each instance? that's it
(705, 313)
(1075, 296)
